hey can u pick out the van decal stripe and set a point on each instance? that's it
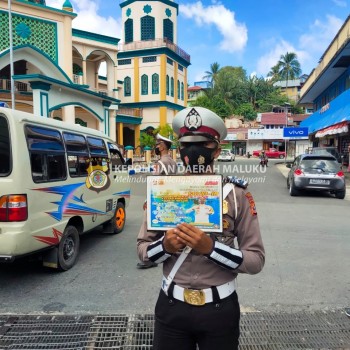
(50, 240)
(65, 206)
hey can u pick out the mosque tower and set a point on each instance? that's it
(152, 68)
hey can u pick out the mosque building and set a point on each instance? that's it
(57, 69)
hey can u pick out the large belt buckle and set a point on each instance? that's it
(194, 297)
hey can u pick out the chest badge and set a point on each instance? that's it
(224, 206)
(225, 224)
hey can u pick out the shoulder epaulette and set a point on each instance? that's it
(236, 181)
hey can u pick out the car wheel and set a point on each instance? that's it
(340, 194)
(281, 156)
(68, 248)
(118, 221)
(292, 190)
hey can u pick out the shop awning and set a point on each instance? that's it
(334, 112)
(334, 129)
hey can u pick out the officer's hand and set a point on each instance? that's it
(194, 238)
(171, 242)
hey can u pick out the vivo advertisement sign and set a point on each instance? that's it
(295, 132)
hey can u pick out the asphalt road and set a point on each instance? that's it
(307, 242)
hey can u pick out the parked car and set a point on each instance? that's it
(320, 172)
(324, 150)
(226, 156)
(271, 153)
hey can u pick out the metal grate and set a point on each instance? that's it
(259, 331)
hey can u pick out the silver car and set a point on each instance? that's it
(320, 172)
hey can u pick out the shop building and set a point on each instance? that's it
(327, 87)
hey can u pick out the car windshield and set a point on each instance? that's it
(326, 165)
(225, 152)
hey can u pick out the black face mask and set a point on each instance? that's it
(157, 151)
(197, 158)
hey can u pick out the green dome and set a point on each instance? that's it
(67, 6)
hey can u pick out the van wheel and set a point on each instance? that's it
(118, 221)
(68, 248)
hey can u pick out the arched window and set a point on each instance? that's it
(127, 86)
(144, 84)
(182, 91)
(155, 83)
(167, 85)
(147, 28)
(178, 89)
(129, 30)
(77, 69)
(80, 122)
(172, 87)
(168, 29)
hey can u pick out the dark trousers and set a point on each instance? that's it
(180, 326)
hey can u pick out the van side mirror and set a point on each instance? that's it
(289, 165)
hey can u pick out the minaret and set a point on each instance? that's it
(152, 67)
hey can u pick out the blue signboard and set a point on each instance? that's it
(295, 132)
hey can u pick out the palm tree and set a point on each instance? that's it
(274, 73)
(212, 74)
(289, 67)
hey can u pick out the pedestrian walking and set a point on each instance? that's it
(164, 166)
(198, 304)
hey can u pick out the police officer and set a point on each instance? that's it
(198, 303)
(165, 166)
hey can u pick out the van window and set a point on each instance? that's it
(5, 160)
(97, 147)
(77, 154)
(47, 155)
(116, 157)
(44, 139)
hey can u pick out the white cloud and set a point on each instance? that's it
(88, 18)
(234, 34)
(320, 34)
(309, 47)
(340, 3)
(267, 61)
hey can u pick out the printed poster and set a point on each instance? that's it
(196, 200)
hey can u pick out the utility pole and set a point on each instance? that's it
(11, 57)
(286, 105)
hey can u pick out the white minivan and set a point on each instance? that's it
(57, 181)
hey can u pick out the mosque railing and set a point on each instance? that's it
(152, 44)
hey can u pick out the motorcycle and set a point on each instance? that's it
(263, 162)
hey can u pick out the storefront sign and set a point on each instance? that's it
(300, 132)
(265, 134)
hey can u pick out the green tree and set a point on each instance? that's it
(229, 85)
(212, 73)
(274, 73)
(214, 103)
(246, 110)
(289, 67)
(147, 140)
(164, 130)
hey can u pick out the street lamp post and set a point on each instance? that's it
(286, 105)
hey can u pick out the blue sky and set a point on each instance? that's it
(248, 33)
